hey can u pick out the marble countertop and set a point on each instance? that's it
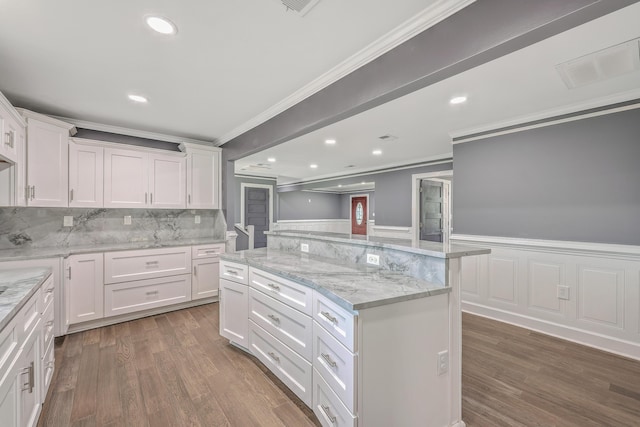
(52, 252)
(352, 286)
(434, 249)
(19, 285)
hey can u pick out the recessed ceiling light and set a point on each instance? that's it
(339, 185)
(363, 183)
(376, 152)
(313, 166)
(271, 159)
(138, 98)
(458, 100)
(330, 141)
(161, 25)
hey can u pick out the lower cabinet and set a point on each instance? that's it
(205, 275)
(30, 377)
(234, 311)
(84, 280)
(129, 297)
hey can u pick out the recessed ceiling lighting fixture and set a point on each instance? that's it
(339, 185)
(313, 166)
(330, 141)
(161, 25)
(376, 152)
(458, 100)
(138, 98)
(363, 183)
(271, 159)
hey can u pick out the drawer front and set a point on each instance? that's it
(9, 340)
(328, 407)
(30, 314)
(48, 288)
(48, 365)
(145, 264)
(207, 251)
(336, 364)
(286, 364)
(292, 294)
(336, 320)
(288, 325)
(235, 272)
(47, 326)
(141, 295)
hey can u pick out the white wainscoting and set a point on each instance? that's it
(324, 225)
(519, 281)
(390, 231)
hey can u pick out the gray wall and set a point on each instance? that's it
(309, 205)
(237, 196)
(576, 181)
(125, 139)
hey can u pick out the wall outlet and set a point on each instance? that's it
(67, 221)
(197, 218)
(304, 247)
(127, 220)
(373, 259)
(563, 292)
(443, 362)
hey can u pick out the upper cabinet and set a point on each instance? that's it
(203, 176)
(12, 155)
(86, 175)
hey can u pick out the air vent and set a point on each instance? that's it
(301, 7)
(350, 166)
(601, 65)
(388, 137)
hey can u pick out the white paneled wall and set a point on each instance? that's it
(323, 225)
(521, 281)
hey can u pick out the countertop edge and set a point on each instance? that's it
(17, 307)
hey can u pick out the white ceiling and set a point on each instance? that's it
(229, 62)
(517, 85)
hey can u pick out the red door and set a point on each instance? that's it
(359, 215)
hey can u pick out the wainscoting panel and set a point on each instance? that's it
(323, 225)
(519, 282)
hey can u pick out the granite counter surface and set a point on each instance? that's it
(352, 286)
(18, 285)
(53, 252)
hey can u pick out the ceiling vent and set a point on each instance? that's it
(387, 137)
(604, 64)
(301, 7)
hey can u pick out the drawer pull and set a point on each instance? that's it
(329, 317)
(152, 293)
(30, 384)
(211, 251)
(49, 323)
(151, 262)
(232, 272)
(274, 318)
(329, 360)
(273, 286)
(327, 412)
(274, 357)
(49, 291)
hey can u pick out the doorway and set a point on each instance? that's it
(359, 214)
(255, 209)
(431, 206)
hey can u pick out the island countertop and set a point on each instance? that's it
(352, 286)
(18, 285)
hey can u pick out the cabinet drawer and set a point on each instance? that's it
(336, 364)
(286, 364)
(207, 251)
(48, 365)
(47, 326)
(48, 289)
(29, 315)
(288, 325)
(235, 272)
(141, 295)
(286, 291)
(9, 340)
(144, 264)
(328, 407)
(336, 320)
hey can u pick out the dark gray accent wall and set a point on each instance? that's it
(309, 205)
(125, 139)
(575, 181)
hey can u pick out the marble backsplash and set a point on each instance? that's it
(425, 267)
(30, 227)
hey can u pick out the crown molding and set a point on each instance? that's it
(518, 124)
(437, 12)
(4, 102)
(133, 132)
(52, 120)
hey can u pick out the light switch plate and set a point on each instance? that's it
(304, 247)
(563, 292)
(127, 220)
(197, 219)
(67, 221)
(443, 362)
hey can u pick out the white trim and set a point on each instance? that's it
(52, 120)
(4, 102)
(366, 216)
(243, 186)
(261, 178)
(302, 221)
(602, 342)
(186, 147)
(415, 198)
(392, 232)
(132, 132)
(600, 250)
(548, 114)
(428, 17)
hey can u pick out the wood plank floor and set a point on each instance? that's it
(175, 370)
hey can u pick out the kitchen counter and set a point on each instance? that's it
(52, 252)
(19, 285)
(352, 286)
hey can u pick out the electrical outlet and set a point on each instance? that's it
(443, 362)
(127, 220)
(373, 259)
(563, 292)
(67, 221)
(197, 217)
(304, 247)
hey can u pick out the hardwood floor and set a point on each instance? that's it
(174, 370)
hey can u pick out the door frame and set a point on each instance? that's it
(351, 196)
(243, 187)
(415, 199)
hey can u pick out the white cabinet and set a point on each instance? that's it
(167, 181)
(9, 132)
(31, 375)
(9, 395)
(85, 175)
(139, 295)
(84, 288)
(125, 266)
(203, 176)
(205, 278)
(234, 310)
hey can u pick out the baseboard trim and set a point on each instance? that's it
(601, 342)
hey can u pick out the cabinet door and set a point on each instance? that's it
(47, 164)
(202, 179)
(20, 168)
(31, 375)
(206, 278)
(84, 288)
(234, 312)
(9, 131)
(125, 179)
(167, 181)
(10, 395)
(85, 176)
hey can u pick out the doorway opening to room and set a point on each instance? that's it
(359, 214)
(432, 206)
(256, 211)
